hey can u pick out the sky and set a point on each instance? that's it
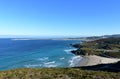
(59, 17)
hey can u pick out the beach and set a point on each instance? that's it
(95, 60)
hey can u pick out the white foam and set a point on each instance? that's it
(50, 64)
(45, 64)
(32, 65)
(75, 61)
(62, 58)
(43, 59)
(20, 39)
(17, 39)
(68, 51)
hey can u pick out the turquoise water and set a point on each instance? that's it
(35, 53)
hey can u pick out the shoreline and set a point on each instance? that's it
(96, 52)
(92, 60)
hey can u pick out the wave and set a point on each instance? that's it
(69, 50)
(50, 64)
(17, 39)
(45, 64)
(33, 65)
(74, 62)
(43, 59)
(62, 58)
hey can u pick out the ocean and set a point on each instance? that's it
(32, 53)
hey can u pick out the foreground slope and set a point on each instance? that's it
(57, 73)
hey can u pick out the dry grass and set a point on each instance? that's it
(57, 73)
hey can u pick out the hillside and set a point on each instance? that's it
(57, 73)
(108, 47)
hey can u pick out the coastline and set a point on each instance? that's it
(91, 55)
(96, 60)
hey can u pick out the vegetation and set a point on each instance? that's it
(57, 73)
(109, 47)
(111, 67)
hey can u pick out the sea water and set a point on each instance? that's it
(32, 53)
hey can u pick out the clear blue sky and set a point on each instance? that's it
(59, 17)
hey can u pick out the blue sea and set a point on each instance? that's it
(36, 53)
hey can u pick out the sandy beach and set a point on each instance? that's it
(95, 60)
